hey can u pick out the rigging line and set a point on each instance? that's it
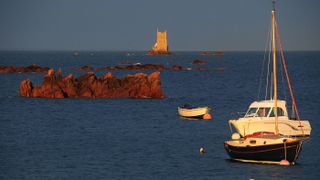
(285, 150)
(263, 62)
(268, 69)
(271, 85)
(298, 150)
(282, 78)
(288, 80)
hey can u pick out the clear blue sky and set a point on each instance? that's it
(132, 24)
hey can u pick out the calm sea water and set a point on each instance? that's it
(145, 139)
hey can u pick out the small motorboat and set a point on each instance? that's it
(260, 117)
(189, 111)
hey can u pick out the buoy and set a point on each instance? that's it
(284, 163)
(207, 116)
(201, 150)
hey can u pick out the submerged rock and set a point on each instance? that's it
(198, 61)
(89, 86)
(83, 68)
(136, 67)
(176, 68)
(86, 68)
(157, 67)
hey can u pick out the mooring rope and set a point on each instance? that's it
(285, 149)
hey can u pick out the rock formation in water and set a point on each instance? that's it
(86, 68)
(177, 68)
(135, 67)
(212, 53)
(198, 61)
(31, 68)
(83, 68)
(157, 67)
(89, 86)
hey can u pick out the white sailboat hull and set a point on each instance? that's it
(193, 112)
(245, 126)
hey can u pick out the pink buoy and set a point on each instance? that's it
(284, 163)
(207, 116)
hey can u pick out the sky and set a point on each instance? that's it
(129, 25)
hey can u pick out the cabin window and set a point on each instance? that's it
(279, 111)
(251, 112)
(263, 112)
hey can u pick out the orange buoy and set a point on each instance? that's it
(284, 162)
(207, 116)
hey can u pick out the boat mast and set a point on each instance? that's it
(275, 98)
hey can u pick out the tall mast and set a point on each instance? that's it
(275, 97)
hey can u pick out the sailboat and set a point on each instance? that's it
(264, 145)
(260, 114)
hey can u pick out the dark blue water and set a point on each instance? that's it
(145, 139)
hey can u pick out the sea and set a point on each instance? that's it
(145, 138)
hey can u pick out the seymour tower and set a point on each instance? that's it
(161, 46)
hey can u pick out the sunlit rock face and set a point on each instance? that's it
(89, 86)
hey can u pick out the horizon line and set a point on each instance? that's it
(106, 50)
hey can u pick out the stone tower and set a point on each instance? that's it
(161, 46)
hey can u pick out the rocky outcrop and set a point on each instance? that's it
(83, 68)
(26, 88)
(86, 68)
(198, 61)
(31, 68)
(212, 53)
(176, 68)
(89, 86)
(135, 67)
(157, 67)
(157, 52)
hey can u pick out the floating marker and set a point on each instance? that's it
(207, 117)
(284, 163)
(202, 150)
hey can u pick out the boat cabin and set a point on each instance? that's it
(265, 108)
